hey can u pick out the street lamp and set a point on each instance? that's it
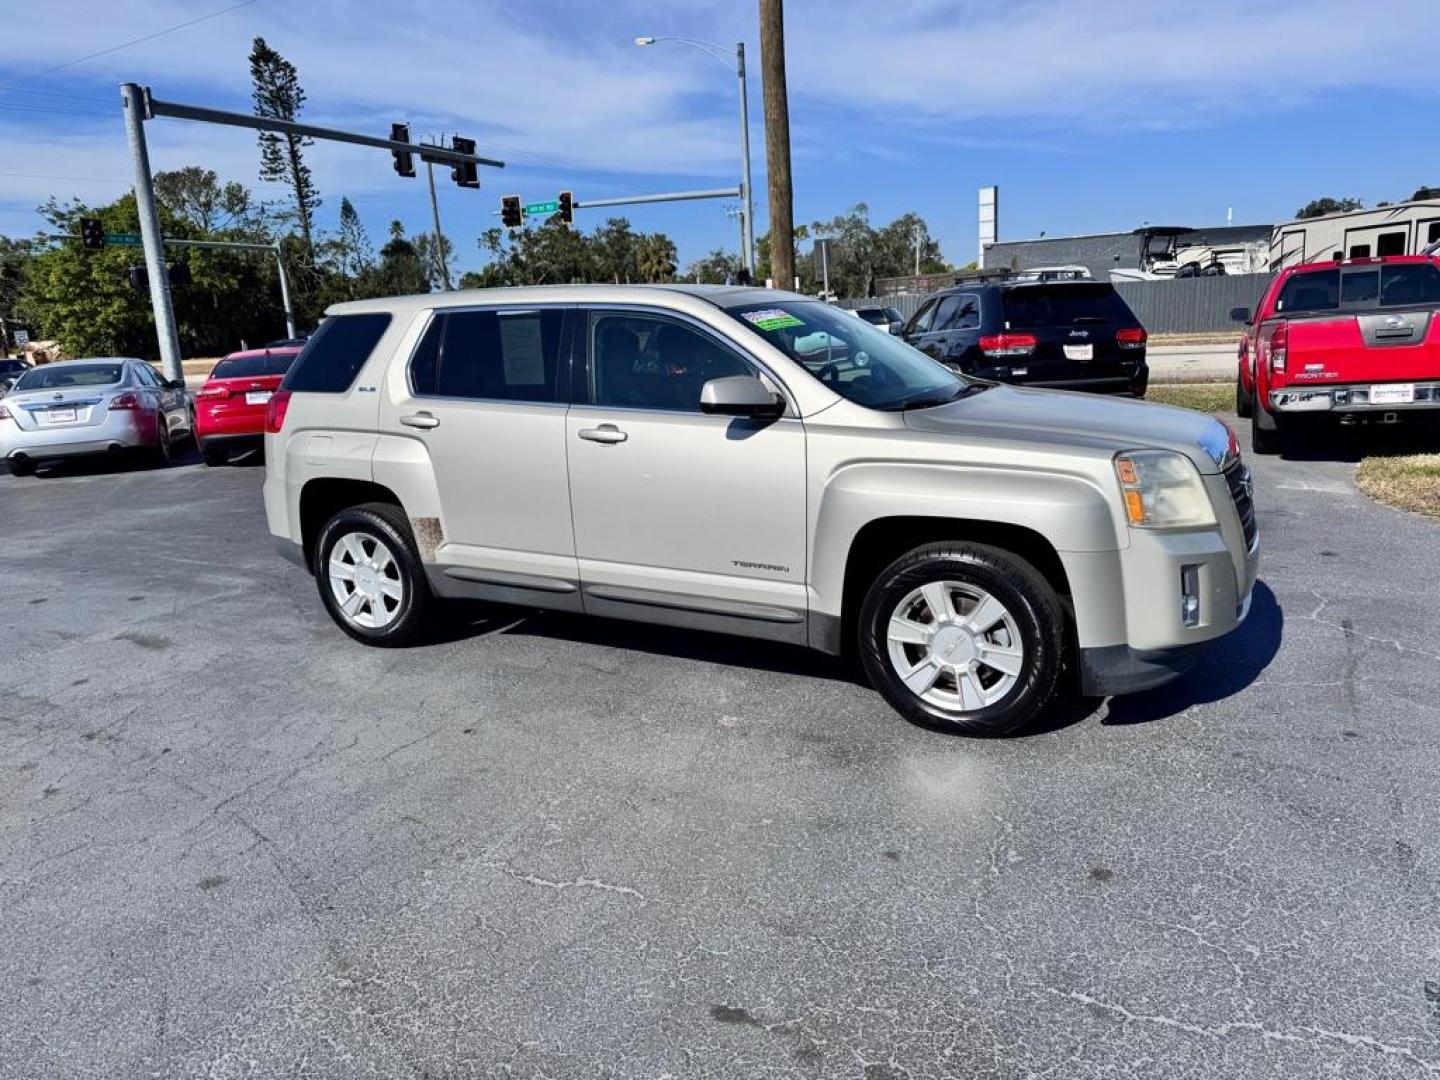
(747, 220)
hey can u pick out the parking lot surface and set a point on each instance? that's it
(235, 843)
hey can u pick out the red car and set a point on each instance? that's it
(1349, 341)
(230, 407)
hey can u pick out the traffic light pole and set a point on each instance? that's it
(140, 106)
(238, 245)
(670, 196)
(441, 262)
(165, 331)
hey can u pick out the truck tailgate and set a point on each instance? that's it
(1388, 346)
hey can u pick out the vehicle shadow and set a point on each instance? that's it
(113, 464)
(1350, 444)
(1228, 666)
(467, 619)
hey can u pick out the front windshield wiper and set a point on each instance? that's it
(930, 400)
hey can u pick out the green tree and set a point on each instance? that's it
(197, 197)
(1328, 205)
(277, 93)
(429, 253)
(351, 252)
(401, 272)
(15, 260)
(716, 268)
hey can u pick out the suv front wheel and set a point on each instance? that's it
(370, 575)
(963, 637)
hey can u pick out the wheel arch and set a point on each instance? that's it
(324, 497)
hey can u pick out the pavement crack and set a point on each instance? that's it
(560, 886)
(1306, 1036)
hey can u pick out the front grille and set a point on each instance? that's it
(1237, 476)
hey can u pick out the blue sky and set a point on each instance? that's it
(1090, 116)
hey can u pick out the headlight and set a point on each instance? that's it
(1162, 490)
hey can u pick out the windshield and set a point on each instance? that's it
(61, 377)
(851, 357)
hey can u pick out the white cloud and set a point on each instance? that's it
(1152, 64)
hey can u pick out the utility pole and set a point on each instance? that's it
(165, 331)
(439, 236)
(777, 143)
(747, 223)
(917, 232)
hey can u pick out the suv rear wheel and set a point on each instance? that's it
(963, 637)
(370, 575)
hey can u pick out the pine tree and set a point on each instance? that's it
(277, 93)
(356, 254)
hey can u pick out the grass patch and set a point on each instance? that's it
(1202, 397)
(1405, 481)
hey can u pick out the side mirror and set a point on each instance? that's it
(897, 328)
(175, 384)
(740, 395)
(1240, 314)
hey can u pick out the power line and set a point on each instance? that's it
(143, 38)
(47, 109)
(91, 98)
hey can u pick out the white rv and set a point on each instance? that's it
(1403, 229)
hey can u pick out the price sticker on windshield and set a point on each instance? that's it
(772, 319)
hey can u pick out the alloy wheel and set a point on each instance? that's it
(955, 646)
(365, 580)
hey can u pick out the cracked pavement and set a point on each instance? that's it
(235, 843)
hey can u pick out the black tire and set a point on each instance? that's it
(214, 455)
(1266, 441)
(159, 455)
(21, 468)
(1243, 402)
(386, 522)
(1025, 594)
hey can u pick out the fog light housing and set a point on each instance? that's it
(1190, 594)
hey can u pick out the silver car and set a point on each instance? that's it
(106, 405)
(763, 464)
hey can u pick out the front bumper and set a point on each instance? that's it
(1351, 398)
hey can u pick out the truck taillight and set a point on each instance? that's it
(1279, 342)
(1131, 337)
(275, 411)
(1008, 344)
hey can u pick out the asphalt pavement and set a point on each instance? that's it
(235, 843)
(1192, 363)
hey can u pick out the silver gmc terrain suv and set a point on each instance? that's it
(757, 463)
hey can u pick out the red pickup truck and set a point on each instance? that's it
(1350, 341)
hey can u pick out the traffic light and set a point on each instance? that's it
(179, 274)
(567, 208)
(466, 175)
(92, 233)
(404, 160)
(139, 279)
(510, 212)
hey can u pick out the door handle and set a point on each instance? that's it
(608, 434)
(421, 420)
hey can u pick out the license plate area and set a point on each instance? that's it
(1392, 394)
(1079, 352)
(257, 397)
(59, 416)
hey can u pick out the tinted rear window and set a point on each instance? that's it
(490, 356)
(253, 367)
(1036, 306)
(1397, 285)
(59, 377)
(335, 354)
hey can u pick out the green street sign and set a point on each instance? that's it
(122, 239)
(550, 207)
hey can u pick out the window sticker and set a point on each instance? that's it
(771, 319)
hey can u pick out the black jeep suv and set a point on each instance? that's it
(1071, 335)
